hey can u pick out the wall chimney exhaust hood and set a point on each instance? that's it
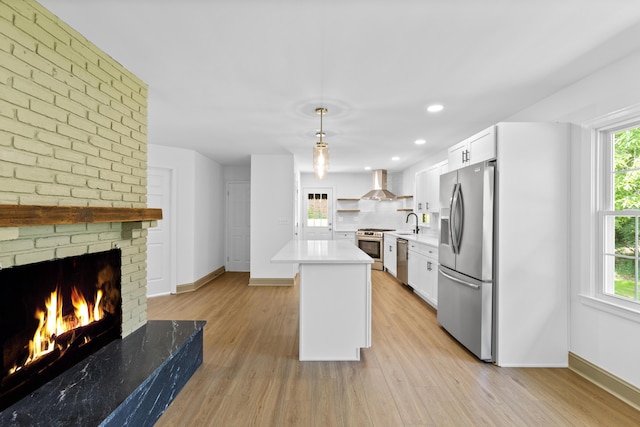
(379, 191)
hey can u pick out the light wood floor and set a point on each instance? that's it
(414, 374)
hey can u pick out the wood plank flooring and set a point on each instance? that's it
(414, 374)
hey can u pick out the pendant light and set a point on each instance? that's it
(321, 150)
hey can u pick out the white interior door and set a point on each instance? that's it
(238, 220)
(317, 214)
(159, 238)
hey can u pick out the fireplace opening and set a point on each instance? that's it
(53, 314)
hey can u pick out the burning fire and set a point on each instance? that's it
(52, 323)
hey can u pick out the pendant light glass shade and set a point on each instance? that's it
(321, 159)
(321, 151)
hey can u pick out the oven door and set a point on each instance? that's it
(372, 246)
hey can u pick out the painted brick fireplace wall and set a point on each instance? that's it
(73, 132)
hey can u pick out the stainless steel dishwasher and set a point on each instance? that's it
(402, 254)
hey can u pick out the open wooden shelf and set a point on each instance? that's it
(405, 210)
(342, 199)
(348, 210)
(404, 197)
(21, 215)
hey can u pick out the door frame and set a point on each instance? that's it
(226, 220)
(303, 211)
(173, 221)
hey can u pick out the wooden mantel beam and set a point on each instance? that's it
(25, 215)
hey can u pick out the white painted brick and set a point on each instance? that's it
(14, 97)
(72, 132)
(12, 63)
(71, 106)
(84, 238)
(54, 139)
(85, 193)
(9, 233)
(15, 246)
(71, 180)
(37, 256)
(70, 228)
(85, 148)
(30, 57)
(46, 80)
(54, 57)
(55, 164)
(10, 185)
(31, 146)
(14, 126)
(53, 190)
(53, 241)
(33, 89)
(100, 247)
(36, 120)
(34, 174)
(85, 170)
(70, 156)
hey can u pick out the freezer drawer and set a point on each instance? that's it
(465, 311)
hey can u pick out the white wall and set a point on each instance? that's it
(605, 339)
(409, 174)
(209, 207)
(272, 208)
(200, 214)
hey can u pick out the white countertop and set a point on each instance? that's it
(321, 252)
(427, 239)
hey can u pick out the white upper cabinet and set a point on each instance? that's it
(476, 149)
(427, 198)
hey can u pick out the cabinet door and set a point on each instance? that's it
(482, 146)
(457, 155)
(390, 257)
(430, 289)
(419, 199)
(433, 189)
(414, 270)
(346, 235)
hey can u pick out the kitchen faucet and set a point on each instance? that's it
(417, 230)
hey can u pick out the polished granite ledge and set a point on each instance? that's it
(128, 382)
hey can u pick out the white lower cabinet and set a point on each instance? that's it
(390, 259)
(346, 235)
(423, 271)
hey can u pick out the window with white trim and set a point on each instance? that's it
(619, 212)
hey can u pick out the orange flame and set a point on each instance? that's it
(52, 323)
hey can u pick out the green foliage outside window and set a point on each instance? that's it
(626, 196)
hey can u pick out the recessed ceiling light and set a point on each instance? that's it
(395, 158)
(367, 168)
(420, 141)
(434, 108)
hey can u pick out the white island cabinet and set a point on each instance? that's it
(335, 297)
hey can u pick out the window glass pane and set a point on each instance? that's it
(625, 278)
(625, 235)
(317, 210)
(626, 169)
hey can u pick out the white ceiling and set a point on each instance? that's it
(230, 78)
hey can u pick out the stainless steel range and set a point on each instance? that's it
(370, 242)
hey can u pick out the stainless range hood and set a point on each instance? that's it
(379, 191)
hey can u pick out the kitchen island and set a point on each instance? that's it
(335, 297)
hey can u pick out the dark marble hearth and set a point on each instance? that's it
(128, 382)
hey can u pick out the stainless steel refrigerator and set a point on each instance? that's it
(465, 274)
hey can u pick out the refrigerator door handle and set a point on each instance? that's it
(455, 279)
(456, 218)
(451, 215)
